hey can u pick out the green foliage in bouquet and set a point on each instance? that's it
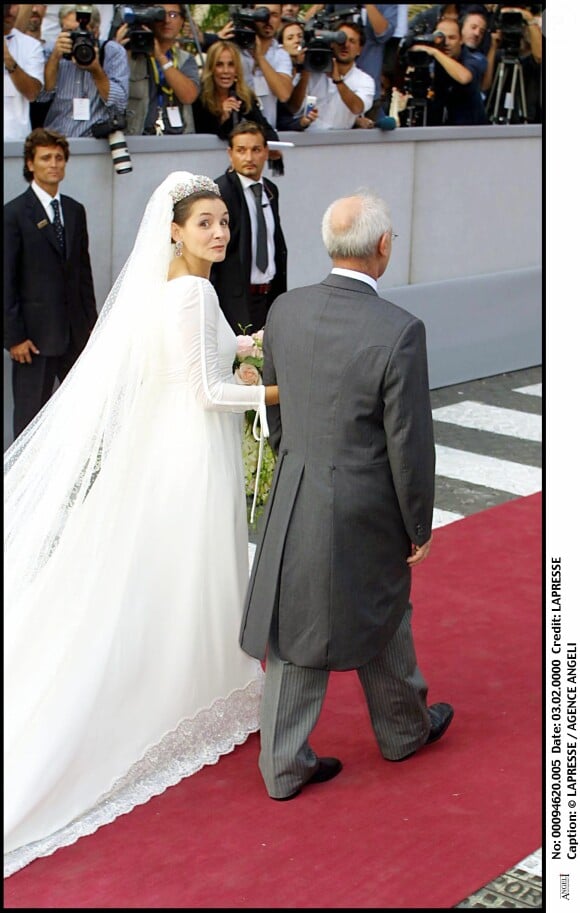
(250, 456)
(250, 352)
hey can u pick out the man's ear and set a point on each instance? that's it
(384, 243)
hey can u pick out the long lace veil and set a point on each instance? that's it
(51, 466)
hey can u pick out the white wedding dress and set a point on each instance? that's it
(123, 672)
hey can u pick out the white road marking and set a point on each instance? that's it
(470, 414)
(443, 517)
(504, 475)
(532, 390)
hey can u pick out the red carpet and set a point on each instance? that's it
(425, 833)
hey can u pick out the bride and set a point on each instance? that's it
(126, 551)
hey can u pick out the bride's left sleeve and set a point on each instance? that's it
(215, 392)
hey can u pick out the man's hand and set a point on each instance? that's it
(62, 45)
(419, 553)
(23, 352)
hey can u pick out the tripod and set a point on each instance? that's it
(416, 111)
(507, 102)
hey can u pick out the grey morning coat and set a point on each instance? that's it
(354, 480)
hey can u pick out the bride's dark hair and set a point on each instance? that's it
(182, 209)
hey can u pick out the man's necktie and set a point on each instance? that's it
(58, 226)
(262, 240)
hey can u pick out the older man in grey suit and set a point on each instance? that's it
(350, 510)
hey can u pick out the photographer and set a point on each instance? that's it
(456, 89)
(84, 93)
(23, 76)
(344, 92)
(293, 114)
(267, 65)
(164, 79)
(528, 52)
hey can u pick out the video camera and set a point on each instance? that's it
(319, 54)
(245, 21)
(321, 32)
(141, 20)
(511, 22)
(419, 58)
(84, 44)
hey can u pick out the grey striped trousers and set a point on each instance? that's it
(396, 696)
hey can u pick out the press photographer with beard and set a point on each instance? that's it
(457, 76)
(84, 94)
(346, 91)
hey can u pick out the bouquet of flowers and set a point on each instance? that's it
(248, 366)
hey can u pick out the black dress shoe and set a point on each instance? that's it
(440, 716)
(326, 770)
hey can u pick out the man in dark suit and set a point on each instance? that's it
(350, 509)
(49, 298)
(245, 283)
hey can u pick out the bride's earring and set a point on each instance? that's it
(178, 248)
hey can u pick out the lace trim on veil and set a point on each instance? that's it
(193, 744)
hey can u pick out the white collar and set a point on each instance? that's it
(44, 197)
(354, 274)
(248, 182)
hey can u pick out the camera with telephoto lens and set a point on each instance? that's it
(84, 44)
(318, 43)
(112, 129)
(141, 20)
(419, 58)
(244, 21)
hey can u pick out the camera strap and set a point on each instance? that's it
(102, 52)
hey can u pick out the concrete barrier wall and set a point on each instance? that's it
(466, 204)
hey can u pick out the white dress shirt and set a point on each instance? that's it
(46, 200)
(354, 274)
(257, 277)
(333, 114)
(28, 54)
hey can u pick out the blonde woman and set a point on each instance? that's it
(226, 99)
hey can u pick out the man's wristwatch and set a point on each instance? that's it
(12, 68)
(339, 80)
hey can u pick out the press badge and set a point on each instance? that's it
(81, 109)
(174, 117)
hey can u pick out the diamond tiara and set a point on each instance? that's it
(196, 184)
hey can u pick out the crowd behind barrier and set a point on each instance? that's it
(353, 65)
(474, 280)
(231, 84)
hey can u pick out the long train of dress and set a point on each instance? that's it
(123, 672)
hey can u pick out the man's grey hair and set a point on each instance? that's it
(358, 238)
(72, 8)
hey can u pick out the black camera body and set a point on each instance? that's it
(322, 31)
(419, 58)
(112, 130)
(511, 23)
(103, 128)
(84, 44)
(343, 16)
(244, 22)
(141, 20)
(319, 53)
